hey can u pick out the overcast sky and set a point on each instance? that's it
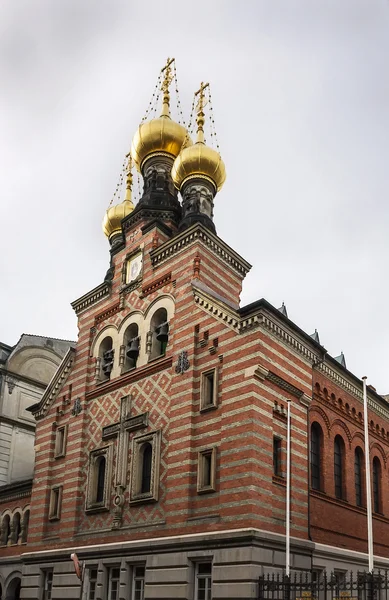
(301, 101)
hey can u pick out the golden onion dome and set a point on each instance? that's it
(199, 161)
(163, 135)
(112, 222)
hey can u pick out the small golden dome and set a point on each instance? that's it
(160, 135)
(112, 222)
(199, 161)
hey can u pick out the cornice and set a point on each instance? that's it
(259, 318)
(19, 377)
(351, 389)
(198, 233)
(40, 409)
(109, 312)
(98, 293)
(14, 491)
(19, 424)
(262, 373)
(130, 377)
(156, 284)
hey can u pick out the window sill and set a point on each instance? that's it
(142, 499)
(151, 360)
(54, 518)
(96, 508)
(206, 490)
(208, 408)
(279, 480)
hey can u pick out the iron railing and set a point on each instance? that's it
(311, 585)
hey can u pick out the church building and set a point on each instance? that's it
(160, 449)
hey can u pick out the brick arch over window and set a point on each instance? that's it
(345, 429)
(323, 414)
(5, 532)
(359, 438)
(376, 446)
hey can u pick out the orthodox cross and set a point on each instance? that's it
(120, 430)
(200, 111)
(165, 86)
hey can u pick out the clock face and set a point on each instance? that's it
(134, 267)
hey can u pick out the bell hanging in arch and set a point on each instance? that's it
(163, 332)
(133, 348)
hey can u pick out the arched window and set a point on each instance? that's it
(26, 520)
(147, 454)
(159, 333)
(5, 530)
(131, 346)
(106, 354)
(358, 470)
(376, 485)
(316, 456)
(16, 527)
(339, 467)
(100, 483)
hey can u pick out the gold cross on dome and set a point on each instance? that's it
(168, 75)
(200, 92)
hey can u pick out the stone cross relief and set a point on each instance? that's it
(121, 430)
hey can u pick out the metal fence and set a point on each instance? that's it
(322, 586)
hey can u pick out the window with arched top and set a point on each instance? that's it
(5, 530)
(25, 524)
(100, 479)
(376, 485)
(339, 457)
(358, 476)
(316, 456)
(131, 344)
(99, 476)
(159, 333)
(16, 528)
(106, 356)
(146, 456)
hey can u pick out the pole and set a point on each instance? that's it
(368, 481)
(287, 566)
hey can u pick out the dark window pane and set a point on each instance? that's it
(376, 484)
(146, 468)
(358, 476)
(315, 456)
(277, 456)
(100, 480)
(338, 467)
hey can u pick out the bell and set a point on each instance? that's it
(107, 362)
(133, 348)
(163, 332)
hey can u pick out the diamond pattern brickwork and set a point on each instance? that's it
(150, 395)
